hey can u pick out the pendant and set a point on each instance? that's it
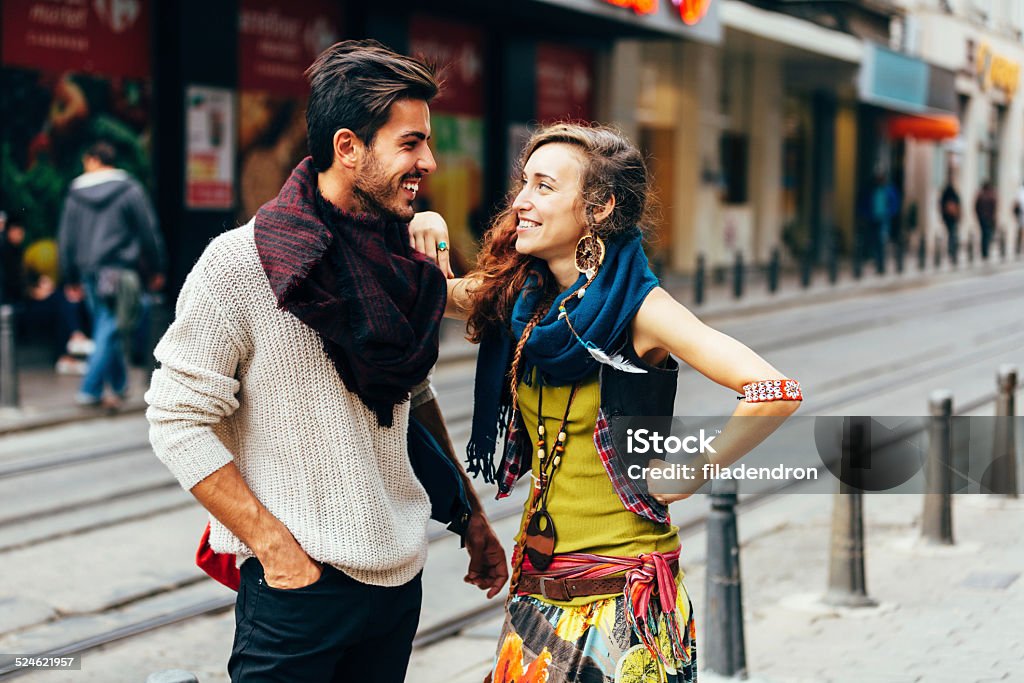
(540, 539)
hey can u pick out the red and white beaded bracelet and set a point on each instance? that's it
(772, 390)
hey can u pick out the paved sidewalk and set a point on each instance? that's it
(48, 399)
(945, 615)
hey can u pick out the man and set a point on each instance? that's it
(281, 403)
(108, 244)
(949, 207)
(985, 208)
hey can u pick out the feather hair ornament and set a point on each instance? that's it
(616, 360)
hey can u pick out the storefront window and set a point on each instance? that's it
(65, 85)
(795, 127)
(455, 189)
(277, 41)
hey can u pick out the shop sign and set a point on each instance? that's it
(458, 50)
(278, 40)
(565, 83)
(893, 79)
(638, 6)
(996, 71)
(107, 37)
(209, 148)
(690, 11)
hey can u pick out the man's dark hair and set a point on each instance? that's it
(102, 151)
(353, 85)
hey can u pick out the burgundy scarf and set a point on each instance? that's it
(375, 302)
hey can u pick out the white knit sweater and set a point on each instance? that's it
(243, 380)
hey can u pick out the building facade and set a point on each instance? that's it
(767, 123)
(980, 43)
(208, 106)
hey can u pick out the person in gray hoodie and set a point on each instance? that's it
(109, 245)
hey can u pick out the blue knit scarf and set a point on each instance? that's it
(601, 317)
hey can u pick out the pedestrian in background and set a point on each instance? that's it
(44, 313)
(985, 207)
(884, 208)
(1018, 213)
(949, 208)
(12, 248)
(301, 346)
(109, 245)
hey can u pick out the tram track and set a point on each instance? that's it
(446, 628)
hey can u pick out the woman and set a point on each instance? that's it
(574, 329)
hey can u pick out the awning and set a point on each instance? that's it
(940, 127)
(792, 31)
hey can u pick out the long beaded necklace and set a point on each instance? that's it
(540, 538)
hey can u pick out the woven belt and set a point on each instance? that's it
(563, 590)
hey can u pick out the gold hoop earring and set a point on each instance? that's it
(589, 254)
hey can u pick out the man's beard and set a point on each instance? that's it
(377, 195)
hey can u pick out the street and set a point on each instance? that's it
(95, 536)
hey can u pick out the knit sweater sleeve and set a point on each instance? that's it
(194, 388)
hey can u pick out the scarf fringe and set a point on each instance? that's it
(481, 449)
(647, 630)
(644, 611)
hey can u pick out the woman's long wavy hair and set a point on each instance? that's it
(612, 166)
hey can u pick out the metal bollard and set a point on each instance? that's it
(8, 359)
(806, 270)
(970, 250)
(833, 263)
(1020, 242)
(1002, 245)
(737, 276)
(922, 253)
(937, 519)
(937, 254)
(1001, 476)
(773, 271)
(900, 254)
(726, 649)
(699, 277)
(847, 583)
(857, 264)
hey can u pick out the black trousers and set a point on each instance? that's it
(335, 630)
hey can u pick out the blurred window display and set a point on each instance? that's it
(71, 73)
(277, 41)
(455, 189)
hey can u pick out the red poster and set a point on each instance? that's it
(565, 83)
(278, 40)
(108, 37)
(458, 49)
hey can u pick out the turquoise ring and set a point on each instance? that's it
(442, 246)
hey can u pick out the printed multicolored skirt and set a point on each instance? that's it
(544, 643)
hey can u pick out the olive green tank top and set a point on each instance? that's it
(588, 515)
